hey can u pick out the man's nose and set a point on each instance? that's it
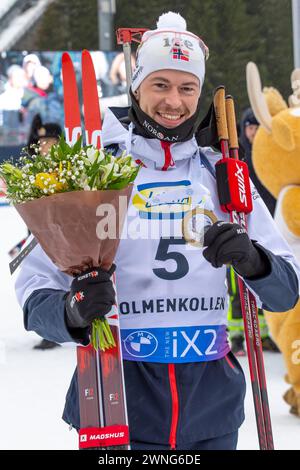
(173, 99)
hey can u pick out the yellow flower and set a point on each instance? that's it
(43, 180)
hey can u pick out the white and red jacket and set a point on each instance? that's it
(172, 302)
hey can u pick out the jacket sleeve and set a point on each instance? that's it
(278, 291)
(44, 313)
(41, 289)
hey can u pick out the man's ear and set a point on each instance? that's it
(137, 94)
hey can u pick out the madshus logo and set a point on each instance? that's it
(87, 275)
(159, 135)
(101, 437)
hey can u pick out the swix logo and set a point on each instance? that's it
(159, 134)
(72, 139)
(77, 297)
(241, 184)
(85, 276)
(89, 392)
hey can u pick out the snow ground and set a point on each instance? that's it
(33, 383)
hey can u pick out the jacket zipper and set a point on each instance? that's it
(175, 406)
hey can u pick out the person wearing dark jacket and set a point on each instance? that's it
(248, 128)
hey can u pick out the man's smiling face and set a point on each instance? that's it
(170, 97)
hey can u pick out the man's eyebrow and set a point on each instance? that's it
(162, 79)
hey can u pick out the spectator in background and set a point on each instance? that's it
(40, 98)
(30, 62)
(11, 98)
(40, 85)
(117, 72)
(45, 135)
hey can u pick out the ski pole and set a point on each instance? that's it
(234, 153)
(126, 36)
(231, 179)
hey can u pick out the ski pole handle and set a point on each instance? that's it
(231, 123)
(220, 110)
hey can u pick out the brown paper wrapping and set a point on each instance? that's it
(66, 224)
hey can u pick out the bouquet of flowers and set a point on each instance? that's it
(60, 196)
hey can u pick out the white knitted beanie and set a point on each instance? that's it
(170, 46)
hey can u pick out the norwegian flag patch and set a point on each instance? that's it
(180, 54)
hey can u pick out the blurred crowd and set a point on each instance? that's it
(30, 85)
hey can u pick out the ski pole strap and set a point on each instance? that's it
(108, 436)
(13, 265)
(233, 185)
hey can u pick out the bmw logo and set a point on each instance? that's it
(141, 344)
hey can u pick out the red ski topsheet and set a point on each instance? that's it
(92, 116)
(71, 101)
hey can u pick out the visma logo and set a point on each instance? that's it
(141, 344)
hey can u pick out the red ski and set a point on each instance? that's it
(102, 401)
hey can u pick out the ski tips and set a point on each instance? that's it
(66, 57)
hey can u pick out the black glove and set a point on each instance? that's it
(92, 295)
(229, 243)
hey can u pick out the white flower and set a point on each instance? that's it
(106, 171)
(101, 155)
(92, 154)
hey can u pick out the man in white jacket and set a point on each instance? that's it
(185, 390)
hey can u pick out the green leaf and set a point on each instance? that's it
(77, 145)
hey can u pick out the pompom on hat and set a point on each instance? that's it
(170, 46)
